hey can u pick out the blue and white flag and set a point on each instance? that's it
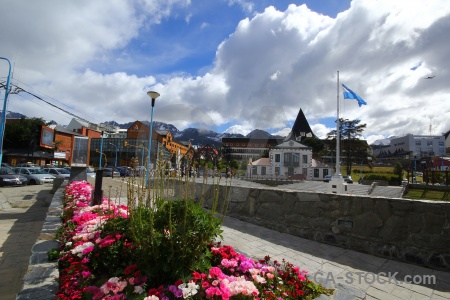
(349, 94)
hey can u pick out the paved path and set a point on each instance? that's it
(354, 275)
(22, 213)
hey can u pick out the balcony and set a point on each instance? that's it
(291, 164)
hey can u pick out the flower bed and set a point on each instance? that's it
(100, 259)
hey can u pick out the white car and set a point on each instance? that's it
(35, 175)
(58, 172)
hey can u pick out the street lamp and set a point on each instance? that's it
(101, 151)
(153, 96)
(115, 162)
(3, 122)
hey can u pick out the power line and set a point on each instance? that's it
(15, 89)
(47, 96)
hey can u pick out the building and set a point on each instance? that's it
(411, 147)
(290, 159)
(248, 148)
(254, 148)
(300, 130)
(135, 145)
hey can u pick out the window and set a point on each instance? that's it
(418, 143)
(325, 172)
(263, 170)
(316, 173)
(277, 157)
(287, 158)
(277, 171)
(429, 143)
(305, 159)
(305, 171)
(254, 171)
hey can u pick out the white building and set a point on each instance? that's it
(412, 147)
(290, 159)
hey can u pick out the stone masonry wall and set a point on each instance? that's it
(407, 230)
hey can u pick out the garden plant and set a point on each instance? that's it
(162, 246)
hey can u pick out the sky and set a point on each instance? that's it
(231, 65)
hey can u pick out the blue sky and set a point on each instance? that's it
(232, 65)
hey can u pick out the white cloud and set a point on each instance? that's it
(273, 64)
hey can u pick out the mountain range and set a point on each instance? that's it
(195, 135)
(198, 136)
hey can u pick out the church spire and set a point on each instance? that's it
(300, 129)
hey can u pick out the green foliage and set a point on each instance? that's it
(170, 242)
(398, 171)
(170, 235)
(23, 134)
(353, 148)
(53, 254)
(234, 164)
(316, 144)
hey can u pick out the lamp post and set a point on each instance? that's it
(142, 155)
(101, 151)
(153, 96)
(115, 161)
(3, 122)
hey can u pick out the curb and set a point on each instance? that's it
(40, 282)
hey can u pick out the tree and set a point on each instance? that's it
(316, 145)
(354, 148)
(23, 134)
(398, 170)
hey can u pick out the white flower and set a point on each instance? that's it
(189, 289)
(80, 248)
(138, 289)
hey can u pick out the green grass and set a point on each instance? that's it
(421, 194)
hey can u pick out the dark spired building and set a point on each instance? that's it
(300, 130)
(250, 147)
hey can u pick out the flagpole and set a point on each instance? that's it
(338, 138)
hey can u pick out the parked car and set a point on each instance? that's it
(27, 165)
(58, 172)
(90, 173)
(8, 177)
(35, 175)
(327, 178)
(125, 171)
(348, 179)
(6, 165)
(110, 172)
(140, 171)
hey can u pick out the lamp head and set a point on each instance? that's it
(153, 94)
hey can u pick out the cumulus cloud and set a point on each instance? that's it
(274, 63)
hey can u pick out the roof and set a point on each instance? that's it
(261, 162)
(300, 129)
(291, 144)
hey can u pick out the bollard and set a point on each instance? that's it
(98, 192)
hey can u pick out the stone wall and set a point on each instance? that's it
(411, 231)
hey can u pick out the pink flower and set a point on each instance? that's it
(85, 274)
(215, 272)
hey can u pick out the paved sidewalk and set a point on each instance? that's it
(354, 275)
(22, 214)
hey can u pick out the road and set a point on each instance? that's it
(22, 213)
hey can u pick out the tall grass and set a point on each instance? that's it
(168, 225)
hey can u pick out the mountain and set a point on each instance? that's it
(199, 137)
(195, 135)
(259, 134)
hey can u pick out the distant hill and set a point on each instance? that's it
(259, 134)
(195, 135)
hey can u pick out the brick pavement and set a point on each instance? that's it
(354, 275)
(22, 213)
